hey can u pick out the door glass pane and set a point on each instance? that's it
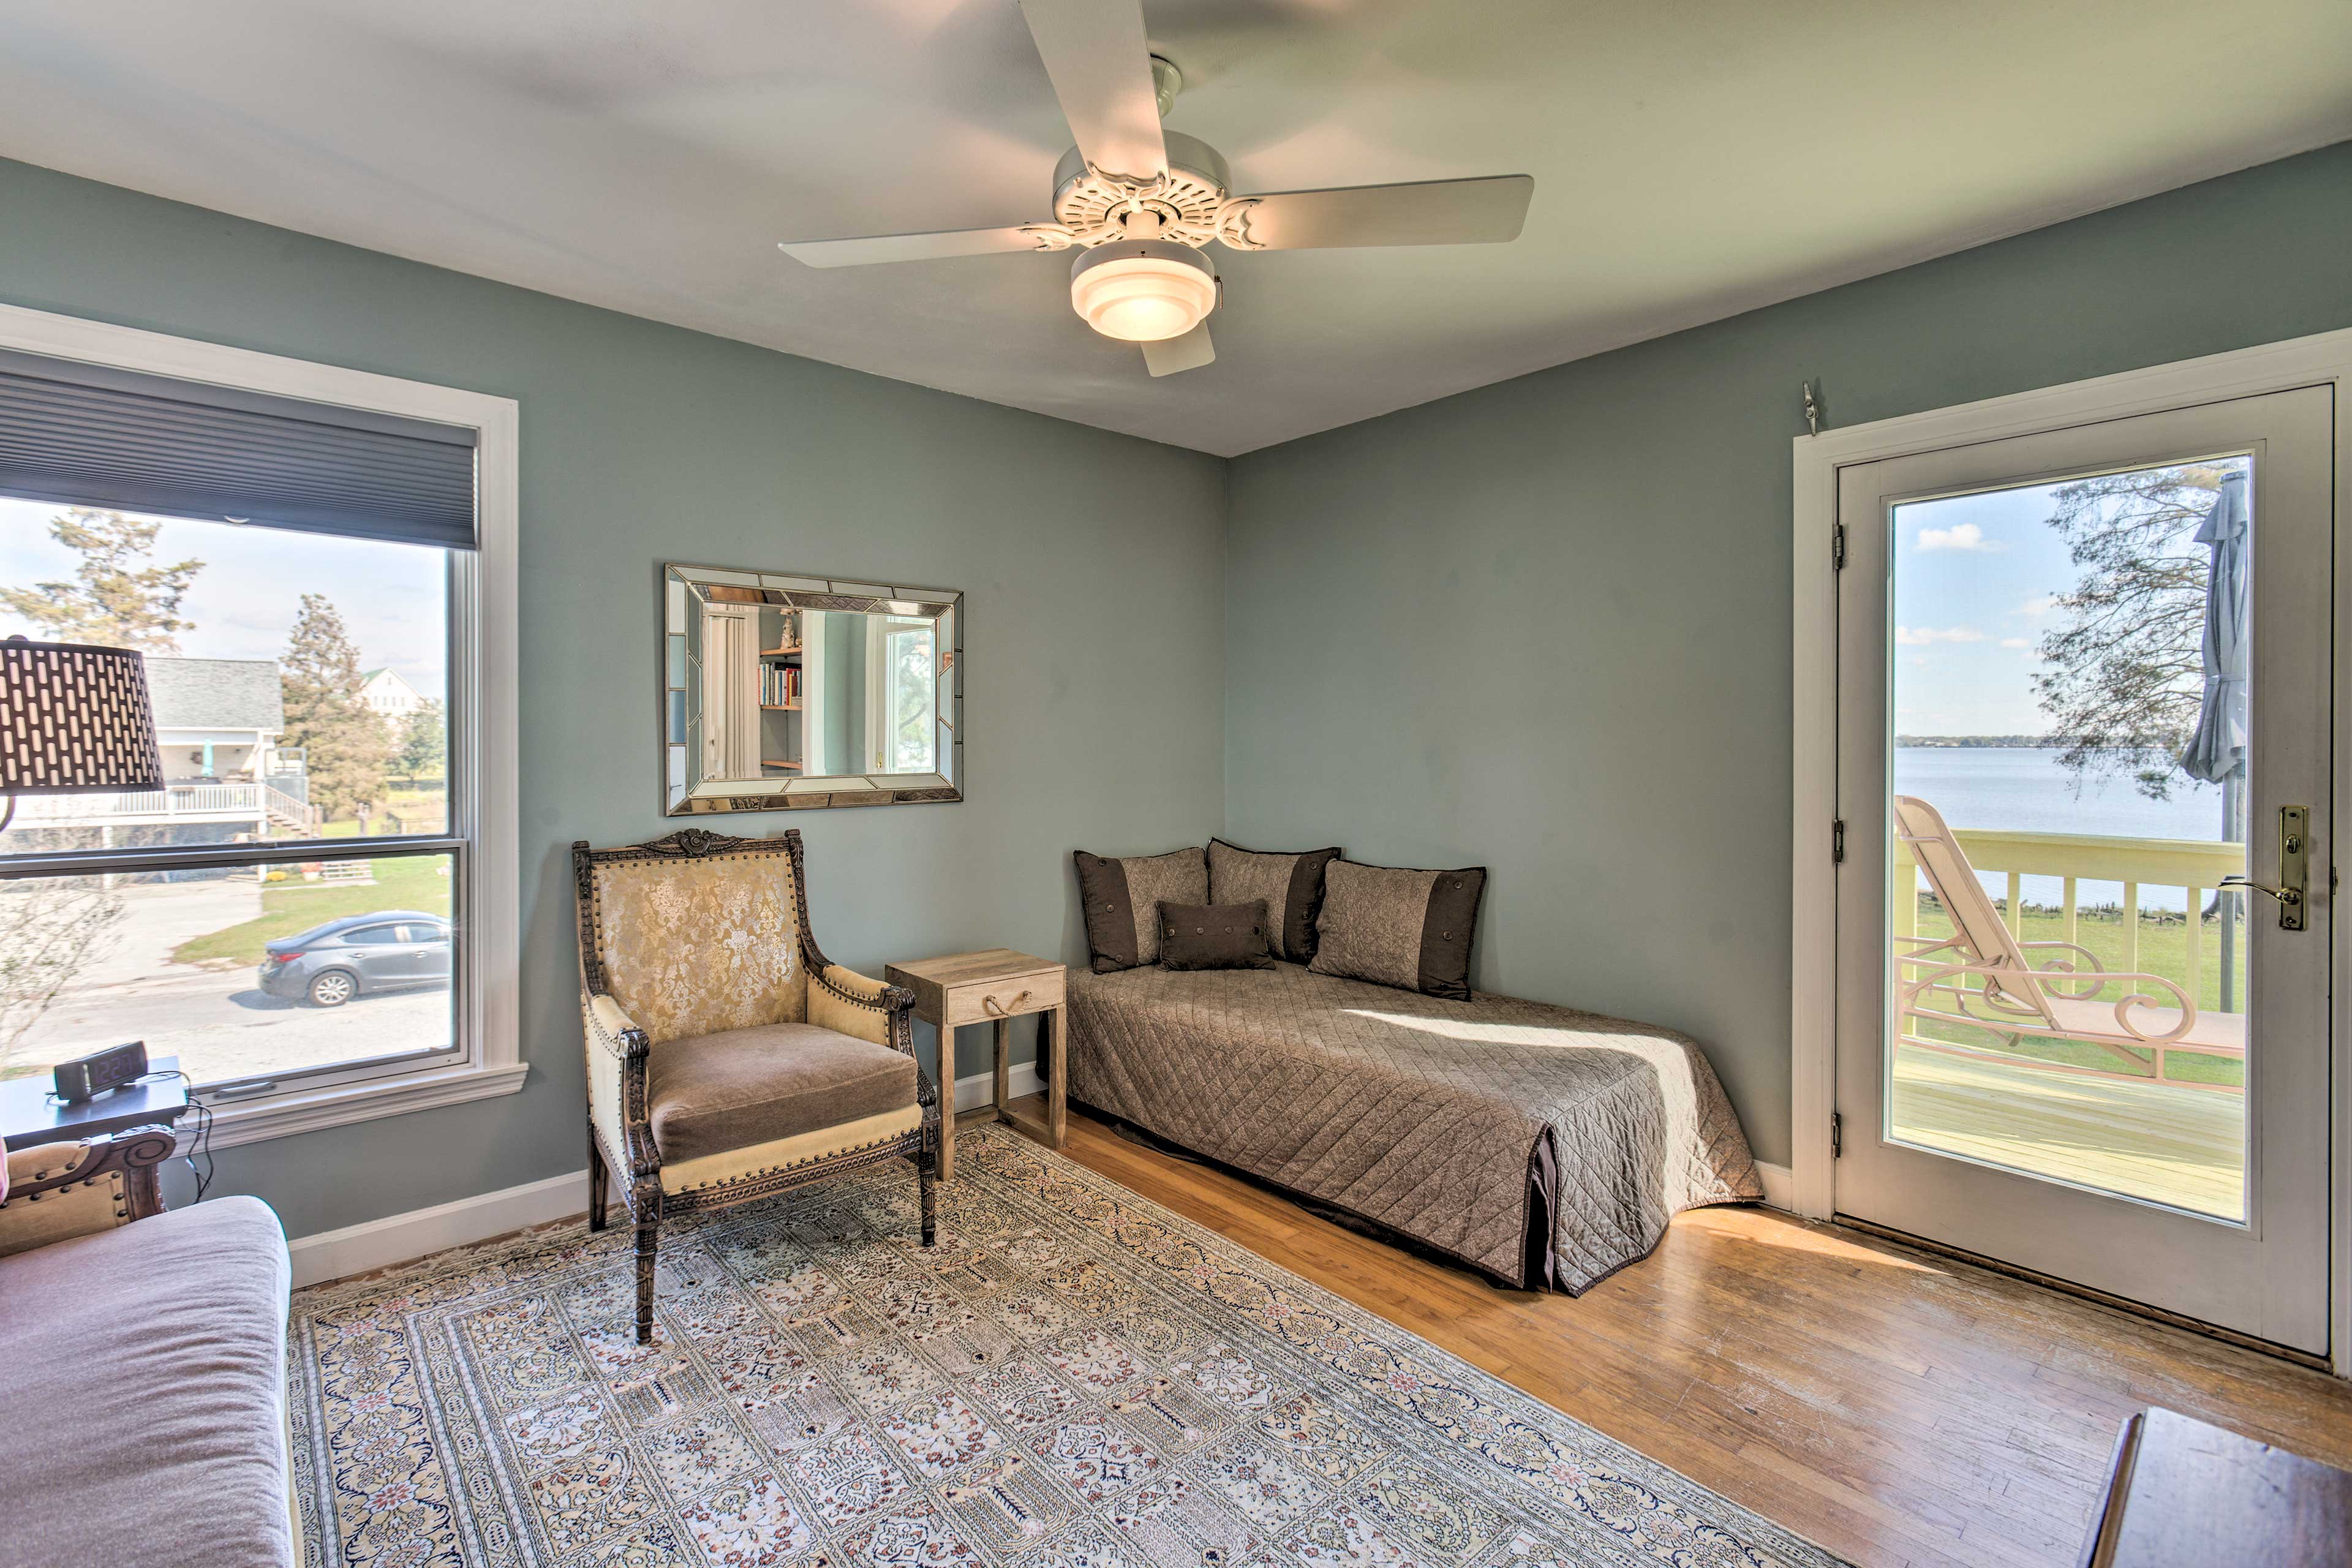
(2070, 715)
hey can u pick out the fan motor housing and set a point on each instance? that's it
(1186, 199)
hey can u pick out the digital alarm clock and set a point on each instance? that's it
(86, 1077)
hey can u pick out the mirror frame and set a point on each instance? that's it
(683, 794)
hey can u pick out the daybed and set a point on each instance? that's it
(1543, 1147)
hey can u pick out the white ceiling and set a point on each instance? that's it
(1692, 159)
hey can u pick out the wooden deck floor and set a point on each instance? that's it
(1896, 1408)
(2153, 1141)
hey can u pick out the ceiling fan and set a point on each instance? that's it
(1140, 203)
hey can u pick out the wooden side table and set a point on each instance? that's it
(994, 986)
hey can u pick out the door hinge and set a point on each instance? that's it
(1837, 840)
(1837, 548)
(1837, 1136)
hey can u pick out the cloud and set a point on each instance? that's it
(2035, 608)
(1920, 637)
(2017, 642)
(1959, 536)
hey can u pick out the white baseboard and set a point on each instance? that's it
(980, 1087)
(399, 1237)
(1780, 1184)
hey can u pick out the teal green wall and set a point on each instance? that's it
(1545, 625)
(641, 443)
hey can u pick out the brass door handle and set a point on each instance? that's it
(2294, 868)
(995, 1009)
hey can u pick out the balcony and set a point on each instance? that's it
(2163, 1124)
(173, 803)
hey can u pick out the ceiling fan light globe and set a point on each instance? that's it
(1142, 291)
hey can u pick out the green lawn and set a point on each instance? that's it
(2163, 950)
(412, 882)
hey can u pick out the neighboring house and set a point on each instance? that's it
(218, 722)
(216, 718)
(391, 696)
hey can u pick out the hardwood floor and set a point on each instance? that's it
(1895, 1407)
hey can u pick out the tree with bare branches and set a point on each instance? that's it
(48, 931)
(2123, 677)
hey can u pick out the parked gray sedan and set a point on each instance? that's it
(328, 964)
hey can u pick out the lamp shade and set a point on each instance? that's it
(73, 719)
(1142, 291)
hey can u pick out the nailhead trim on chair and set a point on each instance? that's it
(640, 1174)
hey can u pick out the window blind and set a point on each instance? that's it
(84, 434)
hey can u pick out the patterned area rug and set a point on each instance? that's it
(1074, 1376)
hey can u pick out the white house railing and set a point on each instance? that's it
(172, 800)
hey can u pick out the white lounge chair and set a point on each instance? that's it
(1988, 978)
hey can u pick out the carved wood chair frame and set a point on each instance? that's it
(639, 1165)
(128, 1160)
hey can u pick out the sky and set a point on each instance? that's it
(244, 601)
(1974, 580)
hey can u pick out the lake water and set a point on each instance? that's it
(2025, 790)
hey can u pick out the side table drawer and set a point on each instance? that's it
(1004, 998)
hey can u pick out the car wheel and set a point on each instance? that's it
(332, 988)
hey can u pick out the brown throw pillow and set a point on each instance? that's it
(1291, 885)
(1394, 927)
(1213, 936)
(1122, 902)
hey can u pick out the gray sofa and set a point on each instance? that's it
(142, 1357)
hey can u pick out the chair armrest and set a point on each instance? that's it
(617, 1052)
(59, 1191)
(610, 1027)
(865, 1008)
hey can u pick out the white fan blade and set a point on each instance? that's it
(1188, 351)
(1101, 68)
(909, 247)
(1435, 212)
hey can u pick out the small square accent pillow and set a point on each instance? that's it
(1122, 897)
(1213, 936)
(1291, 885)
(1396, 927)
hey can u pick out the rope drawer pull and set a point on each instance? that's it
(995, 1009)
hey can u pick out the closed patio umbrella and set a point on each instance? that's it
(2217, 751)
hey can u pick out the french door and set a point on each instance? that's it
(2084, 912)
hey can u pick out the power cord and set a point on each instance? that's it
(202, 1143)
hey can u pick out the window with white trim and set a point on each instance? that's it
(298, 913)
(901, 737)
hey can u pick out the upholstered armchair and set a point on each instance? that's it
(727, 1059)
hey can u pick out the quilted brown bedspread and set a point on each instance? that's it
(1446, 1120)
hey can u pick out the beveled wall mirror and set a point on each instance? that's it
(786, 692)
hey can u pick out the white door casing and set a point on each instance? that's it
(2322, 360)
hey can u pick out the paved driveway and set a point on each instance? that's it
(221, 1025)
(158, 917)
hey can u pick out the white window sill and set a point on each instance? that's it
(284, 1115)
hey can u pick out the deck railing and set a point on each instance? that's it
(172, 800)
(2194, 866)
